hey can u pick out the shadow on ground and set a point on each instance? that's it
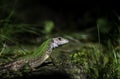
(47, 75)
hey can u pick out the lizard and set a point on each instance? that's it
(38, 57)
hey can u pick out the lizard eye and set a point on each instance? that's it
(59, 38)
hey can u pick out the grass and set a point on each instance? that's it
(97, 60)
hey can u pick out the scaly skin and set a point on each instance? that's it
(38, 57)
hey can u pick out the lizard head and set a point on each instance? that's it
(58, 41)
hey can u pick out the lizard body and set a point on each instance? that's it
(38, 57)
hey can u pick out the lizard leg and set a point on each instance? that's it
(27, 67)
(52, 60)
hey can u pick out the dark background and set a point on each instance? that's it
(74, 14)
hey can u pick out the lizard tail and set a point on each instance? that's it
(14, 66)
